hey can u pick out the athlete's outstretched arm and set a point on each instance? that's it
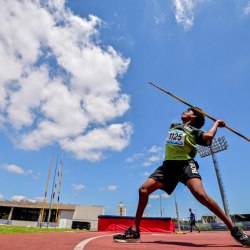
(208, 136)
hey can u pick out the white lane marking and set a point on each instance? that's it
(83, 243)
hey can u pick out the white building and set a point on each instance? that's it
(67, 215)
(121, 209)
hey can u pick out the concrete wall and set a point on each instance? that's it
(65, 223)
(88, 214)
(67, 213)
(24, 223)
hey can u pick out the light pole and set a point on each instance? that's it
(177, 213)
(160, 205)
(218, 145)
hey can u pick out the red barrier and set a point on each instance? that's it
(148, 224)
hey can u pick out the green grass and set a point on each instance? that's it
(5, 229)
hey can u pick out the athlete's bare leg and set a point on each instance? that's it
(148, 187)
(196, 187)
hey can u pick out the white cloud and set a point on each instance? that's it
(39, 199)
(135, 157)
(78, 186)
(109, 188)
(13, 168)
(184, 12)
(149, 157)
(157, 196)
(160, 18)
(19, 198)
(246, 9)
(154, 149)
(157, 8)
(16, 169)
(57, 83)
(1, 197)
(151, 160)
(165, 195)
(112, 187)
(154, 196)
(146, 174)
(91, 145)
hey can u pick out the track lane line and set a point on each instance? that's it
(83, 243)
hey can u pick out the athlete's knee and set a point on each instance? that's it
(143, 191)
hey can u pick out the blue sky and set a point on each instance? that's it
(74, 81)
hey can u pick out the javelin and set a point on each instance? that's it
(198, 110)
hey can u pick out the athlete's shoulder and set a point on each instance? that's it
(199, 137)
(193, 129)
(176, 125)
(197, 133)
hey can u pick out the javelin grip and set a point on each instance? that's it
(198, 110)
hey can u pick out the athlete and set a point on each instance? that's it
(192, 221)
(179, 166)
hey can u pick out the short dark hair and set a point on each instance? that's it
(200, 119)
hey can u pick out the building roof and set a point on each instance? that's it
(28, 204)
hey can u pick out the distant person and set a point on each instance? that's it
(179, 166)
(192, 221)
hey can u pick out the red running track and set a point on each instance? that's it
(103, 240)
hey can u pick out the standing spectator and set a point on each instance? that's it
(192, 221)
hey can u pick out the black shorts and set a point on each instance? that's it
(192, 223)
(173, 171)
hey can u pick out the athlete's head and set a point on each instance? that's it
(197, 119)
(200, 119)
(190, 209)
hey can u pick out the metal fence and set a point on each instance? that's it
(245, 225)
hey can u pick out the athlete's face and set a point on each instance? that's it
(188, 116)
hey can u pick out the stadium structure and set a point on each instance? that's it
(91, 217)
(62, 216)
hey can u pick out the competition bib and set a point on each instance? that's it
(176, 137)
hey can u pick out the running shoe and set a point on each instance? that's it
(128, 236)
(241, 236)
